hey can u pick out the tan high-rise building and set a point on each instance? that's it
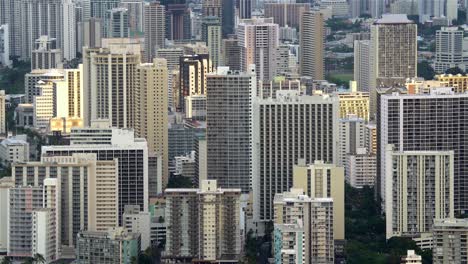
(312, 49)
(419, 188)
(394, 53)
(286, 14)
(153, 113)
(203, 223)
(320, 180)
(303, 228)
(86, 195)
(113, 82)
(155, 26)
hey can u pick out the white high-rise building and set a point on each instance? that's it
(53, 18)
(362, 64)
(116, 23)
(258, 39)
(136, 15)
(5, 45)
(449, 49)
(437, 8)
(352, 135)
(361, 168)
(287, 129)
(5, 184)
(3, 119)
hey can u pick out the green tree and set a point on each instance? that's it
(179, 182)
(38, 258)
(454, 71)
(425, 70)
(6, 260)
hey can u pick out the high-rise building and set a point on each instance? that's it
(31, 79)
(437, 8)
(211, 35)
(286, 14)
(449, 49)
(177, 19)
(419, 189)
(229, 131)
(3, 119)
(450, 240)
(245, 9)
(394, 53)
(193, 76)
(116, 23)
(113, 80)
(154, 28)
(283, 135)
(203, 223)
(424, 122)
(312, 38)
(231, 51)
(458, 82)
(340, 8)
(409, 7)
(120, 246)
(55, 18)
(23, 200)
(362, 60)
(153, 113)
(312, 223)
(59, 98)
(86, 195)
(5, 184)
(5, 46)
(99, 8)
(224, 10)
(322, 180)
(92, 32)
(258, 40)
(109, 144)
(45, 54)
(68, 94)
(136, 16)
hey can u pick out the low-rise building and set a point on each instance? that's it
(450, 241)
(115, 246)
(14, 149)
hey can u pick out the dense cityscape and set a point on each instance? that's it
(234, 131)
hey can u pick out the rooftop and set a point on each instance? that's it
(394, 19)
